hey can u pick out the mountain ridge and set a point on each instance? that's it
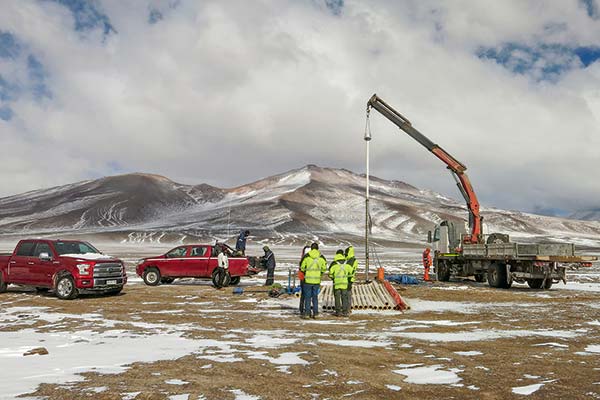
(305, 202)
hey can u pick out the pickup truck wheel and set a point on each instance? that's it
(443, 272)
(535, 283)
(151, 276)
(235, 280)
(3, 285)
(167, 281)
(497, 275)
(227, 278)
(65, 288)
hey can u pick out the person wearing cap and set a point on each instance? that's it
(222, 267)
(269, 263)
(353, 264)
(339, 273)
(240, 244)
(313, 267)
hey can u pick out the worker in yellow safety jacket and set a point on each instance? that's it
(353, 263)
(339, 274)
(313, 266)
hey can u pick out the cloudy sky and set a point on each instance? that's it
(227, 92)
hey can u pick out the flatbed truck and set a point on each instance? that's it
(465, 254)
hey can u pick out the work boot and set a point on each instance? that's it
(315, 316)
(304, 316)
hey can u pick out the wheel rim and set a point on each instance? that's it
(65, 286)
(152, 277)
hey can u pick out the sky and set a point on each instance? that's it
(228, 92)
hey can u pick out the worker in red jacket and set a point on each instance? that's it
(427, 262)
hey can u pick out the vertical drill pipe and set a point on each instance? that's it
(367, 213)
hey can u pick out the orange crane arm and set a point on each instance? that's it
(458, 169)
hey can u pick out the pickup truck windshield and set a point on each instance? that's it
(74, 248)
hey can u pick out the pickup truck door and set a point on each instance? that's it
(196, 263)
(42, 271)
(20, 262)
(173, 264)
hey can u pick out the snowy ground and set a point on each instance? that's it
(189, 341)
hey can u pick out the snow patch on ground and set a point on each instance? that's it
(356, 343)
(468, 353)
(527, 390)
(430, 375)
(105, 352)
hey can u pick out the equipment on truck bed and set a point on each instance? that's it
(476, 254)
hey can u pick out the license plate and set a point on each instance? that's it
(113, 282)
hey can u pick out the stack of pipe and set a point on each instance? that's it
(373, 295)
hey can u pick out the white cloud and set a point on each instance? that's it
(227, 92)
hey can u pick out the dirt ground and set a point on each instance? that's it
(337, 359)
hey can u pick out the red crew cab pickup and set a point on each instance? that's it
(66, 266)
(191, 261)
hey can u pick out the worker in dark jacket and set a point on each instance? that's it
(240, 244)
(269, 262)
(301, 278)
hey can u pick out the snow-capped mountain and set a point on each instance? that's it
(295, 206)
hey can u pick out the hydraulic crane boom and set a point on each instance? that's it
(458, 169)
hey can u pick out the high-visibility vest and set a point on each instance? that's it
(313, 272)
(426, 259)
(340, 275)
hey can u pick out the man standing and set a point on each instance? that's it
(301, 278)
(240, 244)
(313, 267)
(222, 267)
(353, 266)
(338, 272)
(427, 263)
(269, 262)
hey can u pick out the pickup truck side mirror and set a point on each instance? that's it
(45, 257)
(429, 237)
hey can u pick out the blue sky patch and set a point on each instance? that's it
(9, 46)
(154, 16)
(591, 7)
(543, 62)
(37, 75)
(87, 15)
(335, 6)
(6, 113)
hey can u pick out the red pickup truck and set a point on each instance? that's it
(66, 266)
(192, 261)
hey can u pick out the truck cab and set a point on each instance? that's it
(68, 267)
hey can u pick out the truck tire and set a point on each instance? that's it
(497, 238)
(151, 276)
(535, 283)
(65, 288)
(167, 281)
(443, 271)
(548, 284)
(225, 283)
(497, 276)
(235, 280)
(3, 285)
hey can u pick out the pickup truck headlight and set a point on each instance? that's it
(84, 269)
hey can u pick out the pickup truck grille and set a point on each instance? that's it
(104, 272)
